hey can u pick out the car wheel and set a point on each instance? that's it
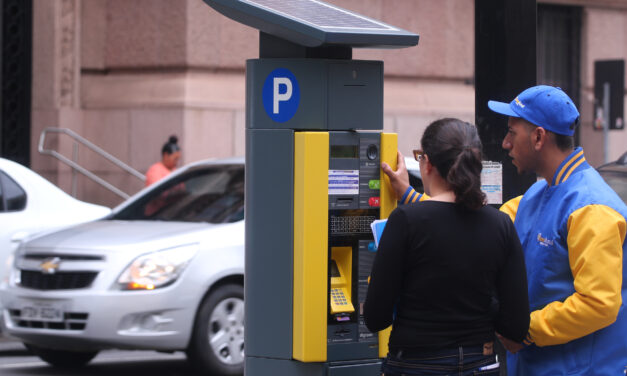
(61, 358)
(217, 344)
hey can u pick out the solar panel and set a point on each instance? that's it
(319, 14)
(314, 23)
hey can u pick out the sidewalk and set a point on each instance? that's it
(11, 347)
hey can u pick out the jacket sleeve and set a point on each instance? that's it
(386, 277)
(411, 196)
(596, 234)
(511, 207)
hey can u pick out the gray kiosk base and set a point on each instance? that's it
(279, 367)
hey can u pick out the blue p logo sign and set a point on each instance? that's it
(281, 95)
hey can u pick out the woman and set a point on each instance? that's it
(170, 156)
(449, 271)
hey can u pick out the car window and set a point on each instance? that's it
(12, 196)
(1, 197)
(618, 182)
(416, 183)
(214, 195)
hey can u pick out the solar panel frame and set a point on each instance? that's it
(257, 14)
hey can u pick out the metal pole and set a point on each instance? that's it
(501, 72)
(606, 121)
(75, 159)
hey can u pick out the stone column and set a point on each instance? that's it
(56, 74)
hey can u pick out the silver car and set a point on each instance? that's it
(163, 272)
(31, 205)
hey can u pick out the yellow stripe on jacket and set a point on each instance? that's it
(511, 207)
(414, 196)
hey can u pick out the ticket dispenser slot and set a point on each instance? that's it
(340, 298)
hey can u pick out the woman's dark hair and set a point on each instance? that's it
(454, 148)
(171, 146)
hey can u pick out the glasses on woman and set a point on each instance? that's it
(418, 154)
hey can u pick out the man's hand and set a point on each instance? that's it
(510, 345)
(399, 179)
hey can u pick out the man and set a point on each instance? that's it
(572, 227)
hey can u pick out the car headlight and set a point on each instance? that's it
(9, 272)
(12, 274)
(158, 269)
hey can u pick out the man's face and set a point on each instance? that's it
(519, 143)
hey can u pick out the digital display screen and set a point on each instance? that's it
(335, 272)
(344, 151)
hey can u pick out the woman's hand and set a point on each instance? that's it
(399, 179)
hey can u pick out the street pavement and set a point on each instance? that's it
(11, 347)
(16, 360)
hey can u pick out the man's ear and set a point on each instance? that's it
(539, 138)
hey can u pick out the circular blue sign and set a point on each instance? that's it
(281, 95)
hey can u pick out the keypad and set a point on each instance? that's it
(338, 297)
(351, 224)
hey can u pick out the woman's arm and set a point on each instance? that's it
(513, 317)
(386, 277)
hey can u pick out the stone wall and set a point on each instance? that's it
(127, 74)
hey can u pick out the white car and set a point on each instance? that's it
(165, 271)
(413, 169)
(31, 205)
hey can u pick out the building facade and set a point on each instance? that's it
(128, 74)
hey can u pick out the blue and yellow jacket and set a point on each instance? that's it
(573, 236)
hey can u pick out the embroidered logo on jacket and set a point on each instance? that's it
(544, 241)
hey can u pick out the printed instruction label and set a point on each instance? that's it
(492, 181)
(343, 182)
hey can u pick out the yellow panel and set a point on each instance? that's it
(311, 187)
(389, 148)
(341, 296)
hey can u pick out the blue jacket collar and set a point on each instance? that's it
(576, 161)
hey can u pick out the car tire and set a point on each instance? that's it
(61, 358)
(217, 344)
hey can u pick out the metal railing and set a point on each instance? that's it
(78, 168)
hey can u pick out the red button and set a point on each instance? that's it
(373, 201)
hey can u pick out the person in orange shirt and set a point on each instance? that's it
(170, 156)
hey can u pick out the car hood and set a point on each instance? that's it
(115, 234)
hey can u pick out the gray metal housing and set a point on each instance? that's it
(335, 94)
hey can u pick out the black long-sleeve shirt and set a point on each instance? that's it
(448, 276)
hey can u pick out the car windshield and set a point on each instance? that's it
(618, 182)
(213, 194)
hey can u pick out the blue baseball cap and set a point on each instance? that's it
(545, 106)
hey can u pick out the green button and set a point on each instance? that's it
(374, 184)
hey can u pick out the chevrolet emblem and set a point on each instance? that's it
(50, 265)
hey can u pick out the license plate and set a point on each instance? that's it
(42, 311)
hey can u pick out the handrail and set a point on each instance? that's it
(83, 170)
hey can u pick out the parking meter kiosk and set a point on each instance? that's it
(314, 145)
